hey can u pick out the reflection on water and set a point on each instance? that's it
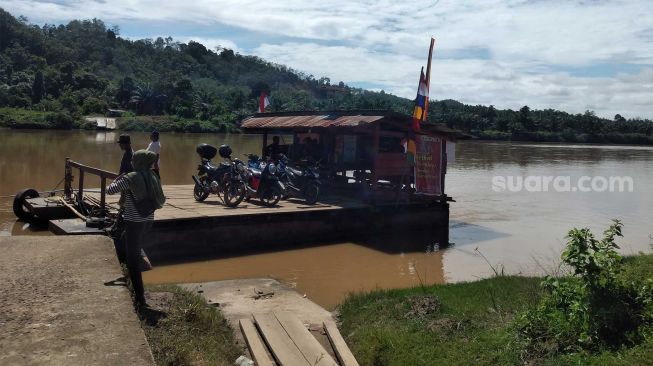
(521, 231)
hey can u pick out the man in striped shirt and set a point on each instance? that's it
(138, 186)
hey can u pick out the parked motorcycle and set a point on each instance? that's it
(262, 181)
(303, 182)
(223, 180)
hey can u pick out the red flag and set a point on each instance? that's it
(263, 102)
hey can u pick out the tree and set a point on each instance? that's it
(525, 118)
(258, 87)
(147, 100)
(125, 91)
(619, 118)
(38, 88)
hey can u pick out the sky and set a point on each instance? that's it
(563, 54)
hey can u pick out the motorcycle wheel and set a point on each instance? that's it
(234, 193)
(312, 193)
(199, 193)
(271, 196)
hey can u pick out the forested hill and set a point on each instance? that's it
(52, 75)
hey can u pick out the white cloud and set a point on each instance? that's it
(497, 52)
(473, 81)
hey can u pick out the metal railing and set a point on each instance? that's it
(83, 169)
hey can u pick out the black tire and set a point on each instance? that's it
(199, 193)
(19, 203)
(271, 196)
(234, 193)
(312, 193)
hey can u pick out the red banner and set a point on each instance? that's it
(428, 165)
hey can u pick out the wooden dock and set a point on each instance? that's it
(281, 336)
(185, 228)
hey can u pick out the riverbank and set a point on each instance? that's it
(183, 329)
(18, 118)
(464, 324)
(567, 136)
(453, 324)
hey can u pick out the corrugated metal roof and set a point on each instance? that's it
(308, 121)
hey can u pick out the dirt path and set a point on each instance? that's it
(59, 305)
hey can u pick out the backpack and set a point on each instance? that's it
(147, 205)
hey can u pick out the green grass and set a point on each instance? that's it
(19, 118)
(185, 330)
(473, 325)
(177, 124)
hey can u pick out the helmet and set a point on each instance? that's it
(225, 151)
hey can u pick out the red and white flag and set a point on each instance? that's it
(263, 102)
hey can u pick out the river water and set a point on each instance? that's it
(519, 231)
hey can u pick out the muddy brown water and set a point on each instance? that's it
(519, 232)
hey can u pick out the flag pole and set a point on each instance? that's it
(428, 64)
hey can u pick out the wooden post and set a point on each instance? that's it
(68, 180)
(265, 144)
(103, 194)
(443, 170)
(80, 189)
(375, 149)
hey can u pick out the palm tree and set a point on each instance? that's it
(147, 100)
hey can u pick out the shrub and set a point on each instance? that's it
(594, 308)
(60, 120)
(94, 105)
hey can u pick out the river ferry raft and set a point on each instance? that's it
(377, 174)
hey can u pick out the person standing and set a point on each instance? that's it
(143, 194)
(155, 147)
(126, 163)
(273, 150)
(126, 167)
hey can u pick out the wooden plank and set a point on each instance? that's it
(343, 352)
(304, 340)
(283, 348)
(255, 344)
(73, 227)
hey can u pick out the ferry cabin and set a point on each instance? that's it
(378, 151)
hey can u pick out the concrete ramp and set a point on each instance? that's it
(61, 306)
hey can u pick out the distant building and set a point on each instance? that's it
(115, 112)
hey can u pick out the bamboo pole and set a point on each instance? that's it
(428, 64)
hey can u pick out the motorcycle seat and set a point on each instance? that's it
(255, 172)
(211, 167)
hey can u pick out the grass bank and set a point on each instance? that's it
(176, 124)
(28, 119)
(182, 329)
(19, 118)
(465, 324)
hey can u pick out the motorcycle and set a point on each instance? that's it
(223, 180)
(262, 181)
(300, 183)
